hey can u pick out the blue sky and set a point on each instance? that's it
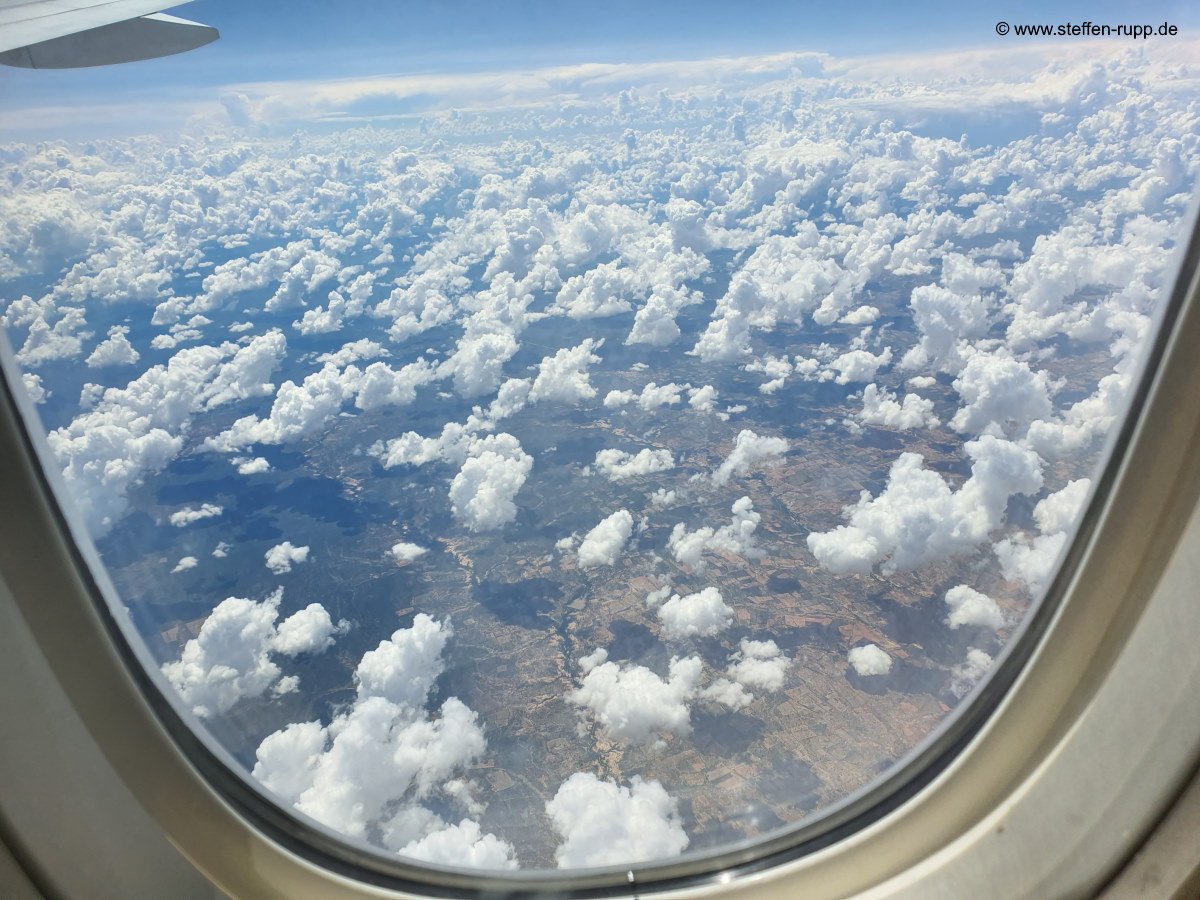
(317, 39)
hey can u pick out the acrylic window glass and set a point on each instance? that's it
(541, 464)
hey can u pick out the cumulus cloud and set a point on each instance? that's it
(602, 545)
(616, 465)
(701, 614)
(632, 703)
(969, 607)
(601, 823)
(309, 630)
(115, 351)
(247, 465)
(563, 377)
(482, 493)
(880, 407)
(189, 514)
(967, 674)
(185, 563)
(405, 552)
(282, 557)
(1000, 395)
(748, 449)
(231, 657)
(759, 664)
(132, 431)
(858, 365)
(870, 659)
(918, 518)
(369, 773)
(736, 538)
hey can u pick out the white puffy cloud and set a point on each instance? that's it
(309, 630)
(602, 545)
(870, 659)
(858, 365)
(369, 771)
(945, 320)
(405, 552)
(1030, 561)
(759, 664)
(969, 607)
(482, 493)
(185, 563)
(34, 387)
(616, 465)
(736, 538)
(748, 449)
(703, 614)
(189, 514)
(1061, 510)
(563, 377)
(138, 429)
(231, 657)
(880, 407)
(632, 703)
(462, 845)
(281, 557)
(1000, 395)
(247, 465)
(918, 519)
(702, 399)
(477, 364)
(115, 351)
(602, 823)
(776, 368)
(966, 674)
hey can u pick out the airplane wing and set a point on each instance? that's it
(65, 34)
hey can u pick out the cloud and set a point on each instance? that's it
(617, 465)
(138, 429)
(462, 845)
(309, 630)
(736, 538)
(1001, 395)
(967, 674)
(970, 607)
(870, 660)
(602, 545)
(482, 493)
(702, 614)
(881, 408)
(231, 657)
(189, 514)
(748, 449)
(116, 351)
(858, 365)
(404, 552)
(918, 519)
(602, 823)
(251, 465)
(632, 703)
(563, 377)
(370, 772)
(759, 664)
(281, 557)
(185, 563)
(1061, 510)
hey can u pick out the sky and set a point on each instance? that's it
(307, 39)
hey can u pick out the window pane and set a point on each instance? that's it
(546, 446)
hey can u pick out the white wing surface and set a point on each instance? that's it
(59, 34)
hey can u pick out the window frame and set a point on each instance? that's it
(1109, 642)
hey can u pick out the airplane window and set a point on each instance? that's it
(519, 443)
